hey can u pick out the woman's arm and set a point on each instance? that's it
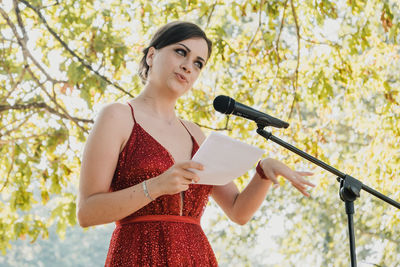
(240, 206)
(96, 205)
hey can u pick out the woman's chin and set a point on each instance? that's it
(179, 89)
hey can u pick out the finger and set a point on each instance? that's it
(184, 187)
(191, 165)
(304, 181)
(187, 181)
(184, 181)
(299, 186)
(308, 183)
(187, 177)
(274, 181)
(302, 190)
(191, 176)
(305, 193)
(305, 173)
(300, 181)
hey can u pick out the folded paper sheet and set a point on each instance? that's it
(224, 159)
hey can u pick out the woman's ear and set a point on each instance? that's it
(150, 56)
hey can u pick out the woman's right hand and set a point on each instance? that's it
(175, 180)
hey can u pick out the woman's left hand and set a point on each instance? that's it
(273, 168)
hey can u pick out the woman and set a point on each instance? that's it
(136, 160)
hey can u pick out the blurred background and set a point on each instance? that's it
(329, 68)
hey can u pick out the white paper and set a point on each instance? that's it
(224, 159)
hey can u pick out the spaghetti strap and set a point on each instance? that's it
(186, 129)
(133, 114)
(195, 144)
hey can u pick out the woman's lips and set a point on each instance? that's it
(181, 78)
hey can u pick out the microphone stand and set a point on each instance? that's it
(349, 189)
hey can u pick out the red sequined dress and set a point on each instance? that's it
(158, 234)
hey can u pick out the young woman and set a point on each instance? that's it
(135, 167)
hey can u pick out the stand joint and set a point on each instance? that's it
(349, 188)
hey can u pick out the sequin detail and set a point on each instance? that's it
(157, 243)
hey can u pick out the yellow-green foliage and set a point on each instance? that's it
(330, 68)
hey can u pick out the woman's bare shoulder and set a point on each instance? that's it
(196, 131)
(115, 118)
(115, 114)
(114, 110)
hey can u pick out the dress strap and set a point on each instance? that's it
(186, 129)
(159, 218)
(195, 144)
(133, 114)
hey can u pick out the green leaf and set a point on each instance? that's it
(85, 95)
(75, 72)
(183, 4)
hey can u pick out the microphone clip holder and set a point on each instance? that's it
(349, 188)
(263, 122)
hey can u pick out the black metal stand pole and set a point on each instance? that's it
(349, 186)
(350, 211)
(348, 196)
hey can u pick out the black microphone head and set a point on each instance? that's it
(224, 104)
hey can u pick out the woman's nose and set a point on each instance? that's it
(185, 67)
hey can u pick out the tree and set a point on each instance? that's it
(329, 68)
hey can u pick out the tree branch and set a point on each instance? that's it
(9, 171)
(366, 232)
(227, 121)
(321, 43)
(22, 41)
(14, 140)
(57, 2)
(65, 115)
(278, 59)
(21, 25)
(298, 41)
(209, 16)
(258, 27)
(214, 129)
(296, 77)
(16, 127)
(81, 60)
(41, 105)
(21, 76)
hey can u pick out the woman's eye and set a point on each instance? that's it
(181, 52)
(199, 64)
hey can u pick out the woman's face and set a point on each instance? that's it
(177, 66)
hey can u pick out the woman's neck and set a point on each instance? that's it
(160, 106)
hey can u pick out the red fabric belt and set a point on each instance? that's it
(159, 218)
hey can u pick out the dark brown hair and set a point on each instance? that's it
(168, 34)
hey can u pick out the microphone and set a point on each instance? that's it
(228, 105)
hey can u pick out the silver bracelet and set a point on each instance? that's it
(146, 192)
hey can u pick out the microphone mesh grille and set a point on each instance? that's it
(224, 104)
